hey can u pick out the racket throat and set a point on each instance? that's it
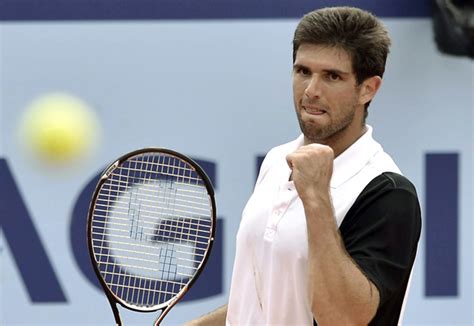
(118, 320)
(165, 311)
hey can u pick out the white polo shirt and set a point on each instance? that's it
(270, 283)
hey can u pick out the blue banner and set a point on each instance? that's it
(27, 10)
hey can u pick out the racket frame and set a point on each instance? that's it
(112, 298)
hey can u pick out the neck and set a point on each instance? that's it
(341, 140)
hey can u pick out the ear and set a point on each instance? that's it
(369, 88)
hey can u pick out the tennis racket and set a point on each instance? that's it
(150, 229)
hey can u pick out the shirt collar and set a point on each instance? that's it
(354, 158)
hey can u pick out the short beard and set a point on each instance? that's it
(319, 134)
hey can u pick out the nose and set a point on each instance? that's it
(313, 88)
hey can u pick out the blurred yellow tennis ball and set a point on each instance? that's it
(59, 128)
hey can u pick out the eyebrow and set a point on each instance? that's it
(332, 71)
(336, 71)
(299, 66)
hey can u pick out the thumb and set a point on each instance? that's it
(289, 160)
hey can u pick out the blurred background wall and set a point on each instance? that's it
(212, 80)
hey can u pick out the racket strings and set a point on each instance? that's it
(144, 206)
(150, 193)
(150, 255)
(151, 228)
(179, 238)
(151, 224)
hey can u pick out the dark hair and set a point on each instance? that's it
(356, 31)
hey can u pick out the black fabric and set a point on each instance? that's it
(381, 233)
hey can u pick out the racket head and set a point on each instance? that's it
(136, 239)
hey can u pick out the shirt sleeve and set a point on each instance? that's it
(381, 232)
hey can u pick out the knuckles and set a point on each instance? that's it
(320, 149)
(311, 154)
(313, 151)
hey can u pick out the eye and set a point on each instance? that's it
(303, 71)
(332, 76)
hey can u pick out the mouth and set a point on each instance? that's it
(313, 110)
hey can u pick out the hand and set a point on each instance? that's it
(311, 167)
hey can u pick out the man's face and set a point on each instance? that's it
(326, 95)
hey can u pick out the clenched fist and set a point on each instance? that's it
(311, 167)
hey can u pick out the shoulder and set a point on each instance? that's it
(389, 181)
(389, 201)
(389, 191)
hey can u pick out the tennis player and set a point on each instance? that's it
(330, 233)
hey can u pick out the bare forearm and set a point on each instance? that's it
(340, 292)
(215, 318)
